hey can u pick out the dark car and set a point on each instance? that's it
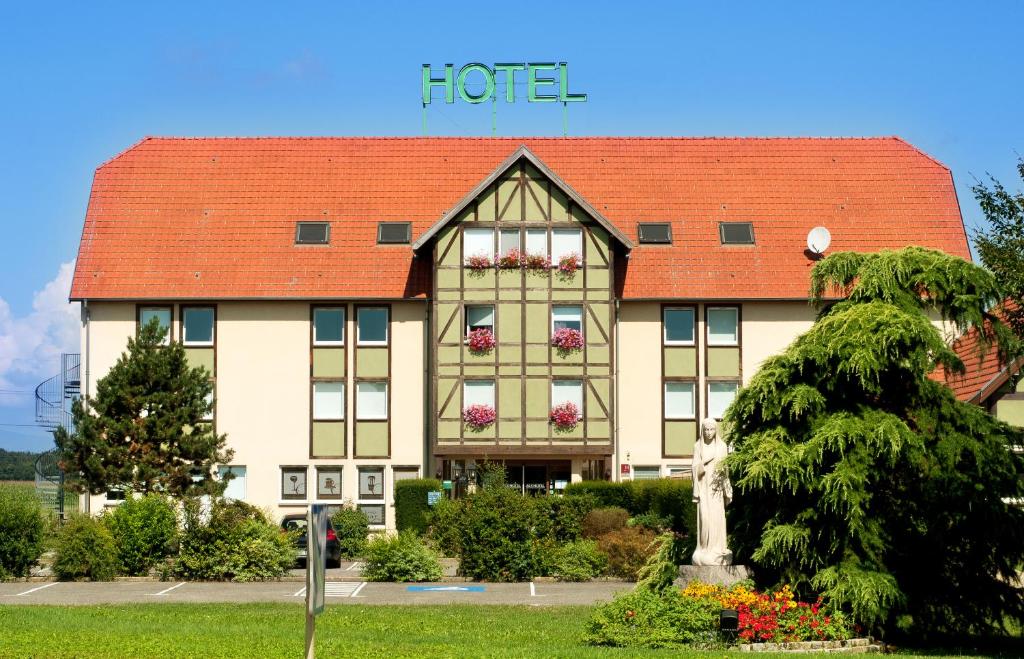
(298, 523)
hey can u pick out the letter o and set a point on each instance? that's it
(488, 83)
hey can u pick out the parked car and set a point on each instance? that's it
(298, 523)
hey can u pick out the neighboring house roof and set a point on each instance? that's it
(207, 218)
(984, 372)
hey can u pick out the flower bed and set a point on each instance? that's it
(567, 340)
(565, 416)
(478, 417)
(481, 341)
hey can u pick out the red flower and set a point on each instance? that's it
(569, 264)
(537, 262)
(478, 262)
(565, 416)
(478, 417)
(481, 341)
(567, 340)
(511, 260)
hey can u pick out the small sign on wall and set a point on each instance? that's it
(624, 470)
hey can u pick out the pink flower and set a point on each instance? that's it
(478, 417)
(569, 264)
(481, 341)
(567, 340)
(537, 262)
(478, 262)
(511, 260)
(565, 416)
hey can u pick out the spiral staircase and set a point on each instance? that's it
(53, 410)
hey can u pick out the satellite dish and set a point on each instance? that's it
(818, 240)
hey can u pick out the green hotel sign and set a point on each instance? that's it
(546, 82)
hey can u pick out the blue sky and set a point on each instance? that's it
(86, 80)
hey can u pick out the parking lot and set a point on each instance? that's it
(338, 592)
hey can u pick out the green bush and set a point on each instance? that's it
(601, 521)
(401, 557)
(651, 522)
(627, 550)
(411, 507)
(578, 561)
(144, 529)
(85, 550)
(560, 518)
(352, 527)
(445, 524)
(648, 619)
(22, 529)
(497, 539)
(237, 542)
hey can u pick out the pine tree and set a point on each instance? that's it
(1001, 246)
(145, 430)
(859, 478)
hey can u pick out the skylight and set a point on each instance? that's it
(312, 233)
(736, 233)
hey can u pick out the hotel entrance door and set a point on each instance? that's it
(535, 477)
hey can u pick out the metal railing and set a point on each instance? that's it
(53, 410)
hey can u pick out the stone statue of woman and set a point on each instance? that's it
(712, 492)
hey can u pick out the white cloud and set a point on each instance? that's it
(31, 345)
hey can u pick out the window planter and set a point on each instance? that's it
(512, 260)
(478, 263)
(481, 341)
(565, 416)
(478, 417)
(537, 263)
(567, 341)
(569, 264)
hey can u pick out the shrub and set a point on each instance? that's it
(352, 527)
(601, 521)
(560, 518)
(22, 528)
(236, 543)
(411, 506)
(651, 522)
(144, 531)
(578, 561)
(497, 541)
(627, 550)
(401, 557)
(647, 619)
(445, 522)
(85, 550)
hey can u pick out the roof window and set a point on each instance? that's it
(656, 233)
(312, 233)
(736, 233)
(394, 233)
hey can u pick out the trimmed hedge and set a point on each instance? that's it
(21, 530)
(665, 497)
(411, 507)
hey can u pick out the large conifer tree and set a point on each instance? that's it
(858, 477)
(146, 427)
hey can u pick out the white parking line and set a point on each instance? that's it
(354, 566)
(302, 591)
(164, 592)
(338, 589)
(32, 590)
(355, 593)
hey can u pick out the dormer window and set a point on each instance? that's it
(655, 233)
(736, 233)
(312, 233)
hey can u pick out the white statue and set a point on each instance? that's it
(712, 492)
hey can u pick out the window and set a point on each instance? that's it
(402, 474)
(197, 326)
(720, 397)
(328, 401)
(163, 316)
(679, 471)
(567, 391)
(658, 233)
(479, 317)
(646, 473)
(374, 513)
(328, 482)
(565, 242)
(394, 233)
(679, 400)
(371, 483)
(372, 326)
(115, 494)
(312, 233)
(679, 327)
(570, 317)
(293, 483)
(537, 241)
(371, 401)
(478, 241)
(478, 392)
(723, 326)
(736, 233)
(508, 240)
(236, 486)
(329, 326)
(208, 415)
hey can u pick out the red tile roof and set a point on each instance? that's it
(215, 217)
(984, 372)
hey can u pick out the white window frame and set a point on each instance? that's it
(716, 343)
(567, 306)
(543, 233)
(470, 328)
(318, 342)
(578, 400)
(387, 327)
(477, 231)
(693, 400)
(329, 417)
(693, 326)
(359, 408)
(736, 386)
(479, 386)
(557, 253)
(184, 327)
(222, 469)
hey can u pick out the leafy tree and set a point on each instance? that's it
(1001, 246)
(144, 430)
(858, 477)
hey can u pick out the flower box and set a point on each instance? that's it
(478, 417)
(512, 260)
(538, 263)
(567, 340)
(478, 263)
(569, 264)
(481, 341)
(565, 416)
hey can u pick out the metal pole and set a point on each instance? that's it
(310, 556)
(424, 119)
(494, 115)
(565, 119)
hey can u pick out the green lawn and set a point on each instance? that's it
(276, 630)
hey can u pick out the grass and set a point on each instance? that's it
(276, 630)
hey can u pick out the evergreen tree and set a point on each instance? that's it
(859, 478)
(1001, 246)
(145, 428)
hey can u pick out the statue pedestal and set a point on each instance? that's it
(725, 575)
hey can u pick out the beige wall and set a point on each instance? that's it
(769, 328)
(263, 390)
